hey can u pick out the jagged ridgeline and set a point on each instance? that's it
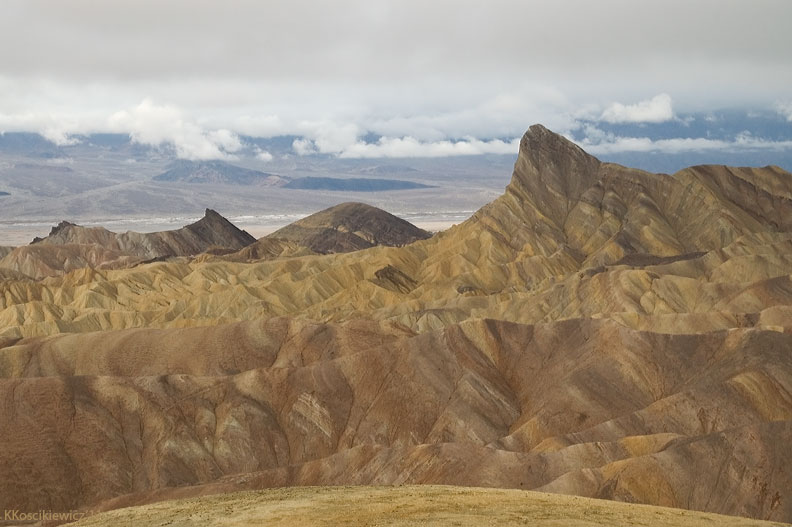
(69, 246)
(597, 330)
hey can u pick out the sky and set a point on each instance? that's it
(398, 78)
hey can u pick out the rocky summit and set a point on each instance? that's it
(70, 246)
(350, 227)
(597, 330)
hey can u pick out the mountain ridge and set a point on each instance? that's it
(218, 172)
(596, 330)
(70, 246)
(350, 226)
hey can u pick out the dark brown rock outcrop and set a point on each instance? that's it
(350, 227)
(70, 246)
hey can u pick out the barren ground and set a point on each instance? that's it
(407, 505)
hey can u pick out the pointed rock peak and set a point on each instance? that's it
(543, 144)
(217, 229)
(213, 218)
(61, 226)
(549, 161)
(210, 213)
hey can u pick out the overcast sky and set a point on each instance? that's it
(422, 74)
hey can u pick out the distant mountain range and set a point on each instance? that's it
(221, 172)
(344, 228)
(352, 184)
(217, 172)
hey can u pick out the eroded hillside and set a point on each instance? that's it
(597, 330)
(571, 237)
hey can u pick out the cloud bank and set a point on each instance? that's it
(411, 147)
(785, 109)
(157, 125)
(597, 142)
(331, 73)
(656, 110)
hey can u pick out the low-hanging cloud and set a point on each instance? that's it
(598, 142)
(304, 147)
(156, 125)
(54, 128)
(405, 147)
(785, 109)
(263, 155)
(658, 109)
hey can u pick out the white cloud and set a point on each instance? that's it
(304, 147)
(55, 128)
(263, 155)
(155, 125)
(411, 147)
(656, 110)
(598, 142)
(785, 109)
(506, 113)
(331, 137)
(259, 126)
(59, 136)
(226, 140)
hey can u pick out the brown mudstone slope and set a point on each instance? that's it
(350, 227)
(597, 330)
(69, 246)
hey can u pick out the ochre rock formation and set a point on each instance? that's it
(69, 246)
(350, 227)
(597, 330)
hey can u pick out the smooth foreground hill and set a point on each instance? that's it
(597, 330)
(403, 506)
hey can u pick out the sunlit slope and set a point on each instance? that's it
(585, 407)
(405, 505)
(570, 237)
(596, 330)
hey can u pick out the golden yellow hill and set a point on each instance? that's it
(402, 506)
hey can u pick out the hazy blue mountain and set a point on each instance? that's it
(28, 144)
(388, 169)
(217, 172)
(352, 184)
(669, 163)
